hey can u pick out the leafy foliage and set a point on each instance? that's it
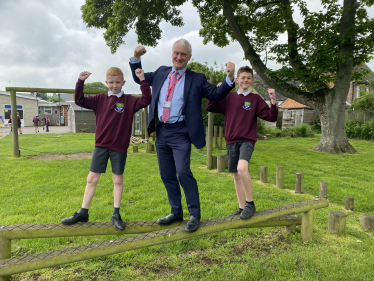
(43, 96)
(365, 102)
(96, 86)
(55, 99)
(364, 131)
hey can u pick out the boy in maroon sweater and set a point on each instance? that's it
(241, 110)
(114, 113)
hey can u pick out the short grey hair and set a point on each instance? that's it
(183, 43)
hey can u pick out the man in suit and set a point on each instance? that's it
(175, 112)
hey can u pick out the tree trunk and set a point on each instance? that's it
(332, 115)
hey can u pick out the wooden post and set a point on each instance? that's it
(220, 137)
(143, 125)
(307, 226)
(146, 123)
(5, 245)
(13, 102)
(264, 174)
(299, 183)
(290, 228)
(367, 222)
(337, 222)
(215, 136)
(154, 136)
(209, 141)
(133, 126)
(323, 190)
(153, 147)
(214, 162)
(349, 203)
(135, 149)
(280, 177)
(221, 163)
(148, 147)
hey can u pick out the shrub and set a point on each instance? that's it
(316, 127)
(350, 128)
(261, 128)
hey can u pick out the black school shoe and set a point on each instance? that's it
(119, 224)
(77, 217)
(193, 224)
(169, 219)
(236, 213)
(248, 212)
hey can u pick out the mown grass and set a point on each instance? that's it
(37, 191)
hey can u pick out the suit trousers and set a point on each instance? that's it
(173, 146)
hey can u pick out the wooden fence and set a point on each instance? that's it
(361, 116)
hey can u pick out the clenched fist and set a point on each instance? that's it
(140, 74)
(84, 75)
(271, 93)
(230, 70)
(139, 51)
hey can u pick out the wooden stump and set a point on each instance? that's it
(299, 183)
(135, 149)
(148, 147)
(220, 137)
(264, 174)
(209, 141)
(280, 177)
(153, 147)
(349, 203)
(215, 133)
(290, 228)
(214, 162)
(337, 222)
(5, 253)
(227, 161)
(221, 163)
(307, 226)
(367, 222)
(154, 136)
(323, 190)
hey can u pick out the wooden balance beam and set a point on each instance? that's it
(268, 217)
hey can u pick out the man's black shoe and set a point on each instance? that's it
(170, 219)
(192, 225)
(77, 217)
(236, 213)
(248, 212)
(119, 224)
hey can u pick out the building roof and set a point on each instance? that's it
(77, 108)
(292, 104)
(21, 95)
(360, 68)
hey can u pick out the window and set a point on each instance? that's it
(367, 89)
(47, 110)
(8, 111)
(56, 110)
(358, 91)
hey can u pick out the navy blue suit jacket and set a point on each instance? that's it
(196, 87)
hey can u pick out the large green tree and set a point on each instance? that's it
(319, 54)
(96, 86)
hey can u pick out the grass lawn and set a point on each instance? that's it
(38, 191)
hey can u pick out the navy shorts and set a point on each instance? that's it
(238, 151)
(36, 124)
(100, 158)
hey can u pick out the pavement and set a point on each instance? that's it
(30, 130)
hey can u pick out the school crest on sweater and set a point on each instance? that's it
(247, 105)
(119, 107)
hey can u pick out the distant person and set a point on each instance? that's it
(36, 123)
(241, 110)
(10, 122)
(19, 123)
(47, 123)
(114, 113)
(44, 120)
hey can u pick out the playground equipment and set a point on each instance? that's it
(151, 234)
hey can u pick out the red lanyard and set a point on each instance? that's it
(169, 88)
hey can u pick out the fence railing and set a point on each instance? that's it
(361, 116)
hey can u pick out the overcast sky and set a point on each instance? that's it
(45, 44)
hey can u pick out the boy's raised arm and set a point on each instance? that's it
(78, 93)
(266, 113)
(146, 97)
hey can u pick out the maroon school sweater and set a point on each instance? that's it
(241, 114)
(113, 115)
